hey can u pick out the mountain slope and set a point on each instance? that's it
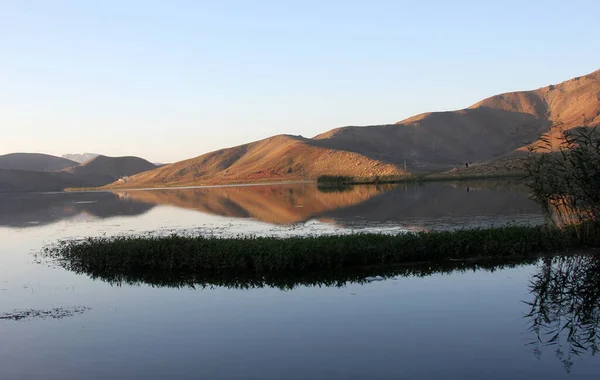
(495, 127)
(500, 126)
(275, 158)
(101, 170)
(98, 171)
(27, 180)
(34, 161)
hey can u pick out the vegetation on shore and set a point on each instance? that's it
(566, 181)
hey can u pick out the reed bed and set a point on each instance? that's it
(263, 255)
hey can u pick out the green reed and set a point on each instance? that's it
(260, 255)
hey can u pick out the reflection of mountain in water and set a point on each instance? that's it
(27, 210)
(277, 204)
(410, 205)
(445, 205)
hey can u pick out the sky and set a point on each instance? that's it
(170, 80)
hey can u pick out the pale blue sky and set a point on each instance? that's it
(169, 80)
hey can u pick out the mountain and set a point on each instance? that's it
(497, 127)
(34, 161)
(98, 171)
(80, 157)
(27, 181)
(102, 170)
(281, 157)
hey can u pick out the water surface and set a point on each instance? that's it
(467, 321)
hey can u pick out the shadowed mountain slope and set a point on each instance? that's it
(101, 170)
(98, 171)
(500, 126)
(34, 161)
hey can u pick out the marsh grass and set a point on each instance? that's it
(265, 255)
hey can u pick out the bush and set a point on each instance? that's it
(566, 181)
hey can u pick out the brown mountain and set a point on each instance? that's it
(98, 171)
(499, 126)
(34, 161)
(281, 157)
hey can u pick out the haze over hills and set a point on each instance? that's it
(34, 161)
(80, 157)
(499, 126)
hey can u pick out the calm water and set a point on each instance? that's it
(421, 322)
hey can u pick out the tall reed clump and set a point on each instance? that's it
(566, 180)
(181, 254)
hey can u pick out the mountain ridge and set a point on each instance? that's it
(98, 171)
(34, 162)
(499, 126)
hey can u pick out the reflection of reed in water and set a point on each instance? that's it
(288, 281)
(565, 309)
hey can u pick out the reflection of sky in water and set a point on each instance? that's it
(457, 326)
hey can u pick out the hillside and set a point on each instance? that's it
(102, 170)
(34, 162)
(500, 126)
(281, 157)
(495, 127)
(98, 171)
(27, 180)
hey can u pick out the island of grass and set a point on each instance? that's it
(262, 255)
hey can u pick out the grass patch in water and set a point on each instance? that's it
(262, 255)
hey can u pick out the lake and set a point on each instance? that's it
(488, 320)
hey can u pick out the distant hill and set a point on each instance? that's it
(497, 127)
(34, 162)
(27, 180)
(102, 170)
(99, 171)
(81, 158)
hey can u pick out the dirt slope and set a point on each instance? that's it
(281, 157)
(34, 161)
(493, 128)
(496, 127)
